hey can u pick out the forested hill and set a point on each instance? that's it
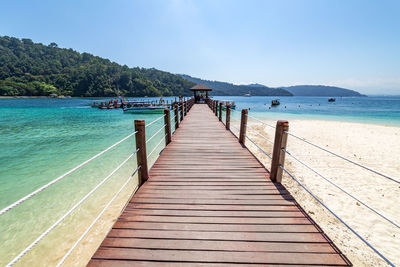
(34, 69)
(320, 90)
(224, 88)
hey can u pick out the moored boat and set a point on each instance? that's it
(275, 102)
(145, 109)
(226, 102)
(332, 99)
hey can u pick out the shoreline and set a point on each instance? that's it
(367, 144)
(326, 117)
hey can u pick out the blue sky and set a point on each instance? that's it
(348, 43)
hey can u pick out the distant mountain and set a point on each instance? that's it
(320, 90)
(229, 89)
(256, 89)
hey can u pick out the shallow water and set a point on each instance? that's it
(44, 138)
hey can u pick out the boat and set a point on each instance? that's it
(332, 99)
(145, 109)
(275, 102)
(248, 95)
(226, 102)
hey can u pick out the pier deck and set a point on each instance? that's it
(208, 201)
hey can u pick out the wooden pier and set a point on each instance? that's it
(208, 201)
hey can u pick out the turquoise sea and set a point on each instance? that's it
(43, 138)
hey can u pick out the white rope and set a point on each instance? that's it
(260, 121)
(341, 189)
(155, 121)
(264, 137)
(27, 249)
(235, 127)
(97, 218)
(259, 147)
(16, 203)
(346, 159)
(163, 127)
(337, 217)
(162, 139)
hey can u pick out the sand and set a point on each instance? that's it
(376, 146)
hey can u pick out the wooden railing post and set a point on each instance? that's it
(141, 154)
(228, 117)
(216, 107)
(220, 112)
(185, 108)
(167, 122)
(176, 116)
(278, 156)
(181, 110)
(243, 127)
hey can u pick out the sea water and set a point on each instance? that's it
(383, 110)
(40, 139)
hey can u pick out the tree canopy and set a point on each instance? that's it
(35, 69)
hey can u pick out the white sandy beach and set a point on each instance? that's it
(375, 146)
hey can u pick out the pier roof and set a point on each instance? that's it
(200, 87)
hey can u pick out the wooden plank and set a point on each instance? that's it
(271, 195)
(216, 220)
(299, 228)
(257, 214)
(230, 236)
(129, 263)
(217, 256)
(212, 207)
(215, 201)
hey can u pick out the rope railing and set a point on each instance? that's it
(254, 118)
(269, 156)
(45, 233)
(262, 136)
(148, 156)
(337, 217)
(59, 178)
(343, 190)
(162, 128)
(98, 217)
(344, 158)
(151, 123)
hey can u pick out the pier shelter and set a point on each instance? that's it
(200, 92)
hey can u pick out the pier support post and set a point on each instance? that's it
(278, 156)
(141, 155)
(228, 117)
(243, 127)
(185, 108)
(220, 112)
(181, 110)
(176, 119)
(167, 122)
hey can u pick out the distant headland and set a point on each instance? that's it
(224, 88)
